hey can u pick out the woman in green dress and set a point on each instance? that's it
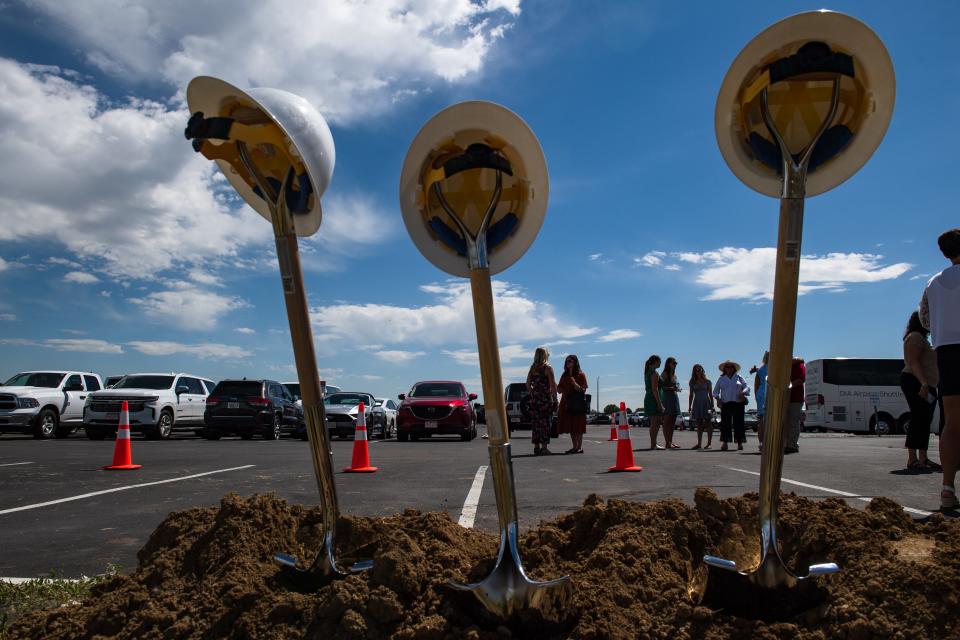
(653, 399)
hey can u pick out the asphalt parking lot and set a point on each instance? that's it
(60, 512)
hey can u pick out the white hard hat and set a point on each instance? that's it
(286, 136)
(797, 59)
(463, 148)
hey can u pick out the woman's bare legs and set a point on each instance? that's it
(577, 441)
(668, 422)
(654, 430)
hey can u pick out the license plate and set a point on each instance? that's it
(113, 416)
(514, 419)
(233, 405)
(430, 424)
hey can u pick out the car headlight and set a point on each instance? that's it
(27, 403)
(150, 399)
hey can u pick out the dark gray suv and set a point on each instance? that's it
(249, 407)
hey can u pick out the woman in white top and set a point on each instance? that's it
(919, 384)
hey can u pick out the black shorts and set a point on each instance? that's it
(948, 364)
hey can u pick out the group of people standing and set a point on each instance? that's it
(730, 395)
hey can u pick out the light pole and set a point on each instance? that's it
(598, 394)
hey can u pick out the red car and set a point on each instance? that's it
(440, 407)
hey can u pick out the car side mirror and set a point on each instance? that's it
(183, 389)
(473, 396)
(402, 396)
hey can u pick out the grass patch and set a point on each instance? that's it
(17, 600)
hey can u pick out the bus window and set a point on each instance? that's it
(867, 373)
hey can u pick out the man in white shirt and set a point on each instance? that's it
(731, 392)
(940, 312)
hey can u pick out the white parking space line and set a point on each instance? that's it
(23, 580)
(846, 494)
(13, 464)
(115, 489)
(469, 512)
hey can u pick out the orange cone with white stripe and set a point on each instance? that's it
(361, 448)
(122, 455)
(624, 450)
(613, 430)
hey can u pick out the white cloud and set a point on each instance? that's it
(508, 353)
(352, 224)
(447, 321)
(3, 265)
(8, 317)
(733, 273)
(349, 58)
(595, 256)
(652, 259)
(369, 376)
(245, 330)
(206, 351)
(398, 356)
(619, 334)
(105, 294)
(81, 277)
(81, 345)
(188, 307)
(120, 187)
(600, 355)
(920, 276)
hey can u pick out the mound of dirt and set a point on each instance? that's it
(635, 572)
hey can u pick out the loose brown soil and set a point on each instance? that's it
(635, 572)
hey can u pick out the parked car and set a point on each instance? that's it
(385, 413)
(439, 407)
(750, 419)
(518, 415)
(635, 419)
(342, 409)
(159, 404)
(111, 381)
(248, 407)
(47, 404)
(603, 418)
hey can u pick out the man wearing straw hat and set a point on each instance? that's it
(731, 392)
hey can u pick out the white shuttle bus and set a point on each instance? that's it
(858, 395)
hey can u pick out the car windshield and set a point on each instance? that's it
(145, 382)
(516, 392)
(51, 380)
(436, 390)
(346, 398)
(237, 388)
(293, 388)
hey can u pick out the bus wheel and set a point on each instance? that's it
(903, 424)
(882, 424)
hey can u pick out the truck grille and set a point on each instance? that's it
(8, 402)
(111, 406)
(339, 417)
(430, 412)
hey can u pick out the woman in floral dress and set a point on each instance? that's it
(542, 398)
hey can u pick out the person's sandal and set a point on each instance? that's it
(930, 464)
(948, 498)
(916, 465)
(696, 446)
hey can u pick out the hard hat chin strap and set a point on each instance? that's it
(474, 247)
(201, 129)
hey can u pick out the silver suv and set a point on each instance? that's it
(48, 404)
(158, 403)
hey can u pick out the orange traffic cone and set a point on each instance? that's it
(122, 455)
(624, 450)
(361, 448)
(613, 430)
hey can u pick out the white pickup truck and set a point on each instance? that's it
(47, 404)
(158, 403)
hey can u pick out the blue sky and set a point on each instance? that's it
(121, 251)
